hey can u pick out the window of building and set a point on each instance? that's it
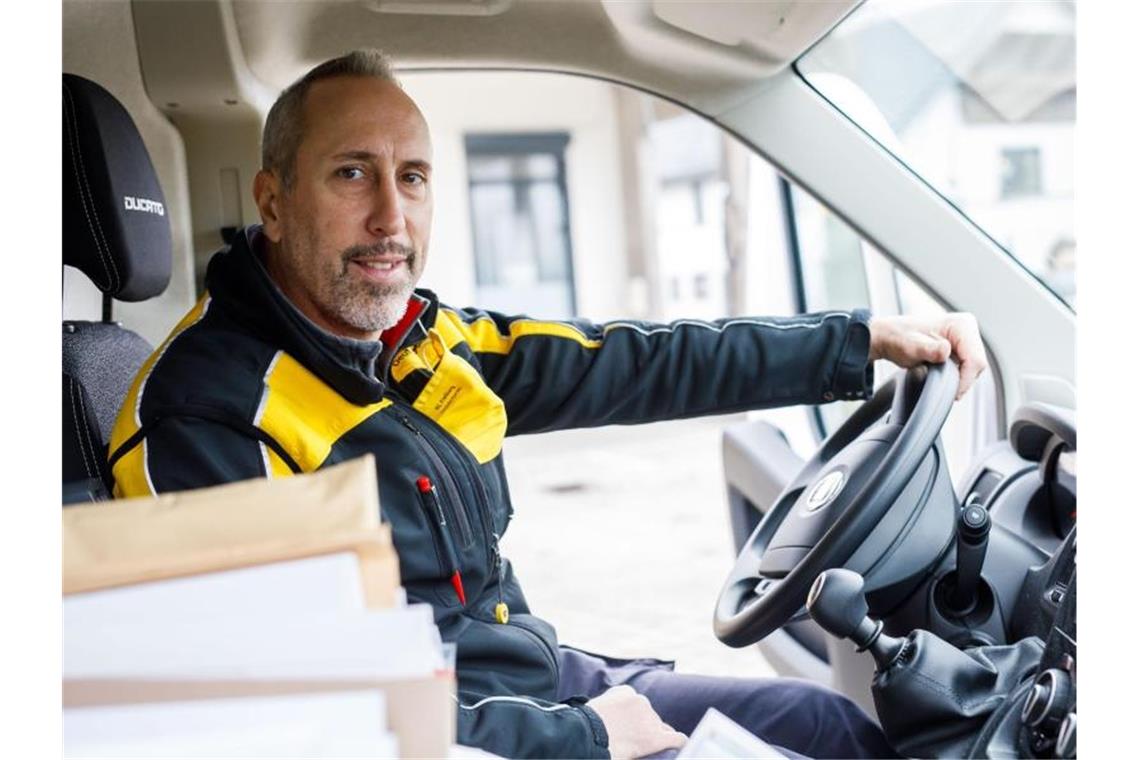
(520, 223)
(1021, 172)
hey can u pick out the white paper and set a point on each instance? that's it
(322, 584)
(385, 644)
(718, 736)
(333, 724)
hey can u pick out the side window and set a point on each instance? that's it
(839, 270)
(831, 271)
(831, 257)
(689, 167)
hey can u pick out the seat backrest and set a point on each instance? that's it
(84, 462)
(115, 230)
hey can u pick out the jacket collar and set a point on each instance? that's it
(239, 283)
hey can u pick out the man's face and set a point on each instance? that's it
(349, 238)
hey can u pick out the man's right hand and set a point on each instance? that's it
(635, 729)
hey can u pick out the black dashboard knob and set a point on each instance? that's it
(973, 529)
(1049, 700)
(975, 522)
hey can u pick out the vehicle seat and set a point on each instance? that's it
(115, 231)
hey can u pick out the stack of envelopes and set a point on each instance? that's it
(255, 619)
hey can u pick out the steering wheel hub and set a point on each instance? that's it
(825, 489)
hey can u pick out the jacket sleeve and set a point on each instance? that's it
(526, 727)
(555, 375)
(181, 453)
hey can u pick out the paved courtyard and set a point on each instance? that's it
(621, 538)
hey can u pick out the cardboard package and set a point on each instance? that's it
(234, 525)
(241, 525)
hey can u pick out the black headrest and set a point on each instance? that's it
(115, 228)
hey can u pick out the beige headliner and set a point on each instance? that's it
(708, 54)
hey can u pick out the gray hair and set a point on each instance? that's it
(284, 126)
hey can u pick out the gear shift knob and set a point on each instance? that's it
(837, 604)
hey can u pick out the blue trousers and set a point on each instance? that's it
(797, 717)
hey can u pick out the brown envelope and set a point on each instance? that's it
(236, 525)
(421, 711)
(379, 565)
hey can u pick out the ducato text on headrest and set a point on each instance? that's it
(143, 204)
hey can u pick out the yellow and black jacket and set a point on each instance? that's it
(246, 386)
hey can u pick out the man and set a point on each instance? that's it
(311, 347)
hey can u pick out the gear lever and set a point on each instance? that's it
(837, 604)
(932, 698)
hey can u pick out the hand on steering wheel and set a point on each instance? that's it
(834, 503)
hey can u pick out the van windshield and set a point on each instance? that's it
(977, 98)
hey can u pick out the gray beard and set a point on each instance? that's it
(372, 311)
(368, 307)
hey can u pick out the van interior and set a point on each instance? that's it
(636, 159)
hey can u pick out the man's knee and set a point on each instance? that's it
(824, 704)
(837, 727)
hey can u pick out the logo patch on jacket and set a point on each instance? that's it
(460, 402)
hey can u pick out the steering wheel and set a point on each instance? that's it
(834, 502)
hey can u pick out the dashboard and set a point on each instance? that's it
(1026, 483)
(1029, 482)
(1029, 486)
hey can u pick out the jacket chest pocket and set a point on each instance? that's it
(458, 400)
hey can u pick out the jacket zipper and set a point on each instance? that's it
(453, 503)
(495, 565)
